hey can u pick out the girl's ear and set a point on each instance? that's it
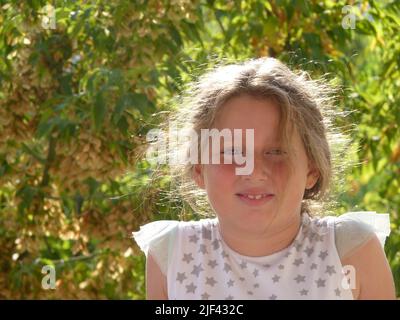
(198, 177)
(312, 176)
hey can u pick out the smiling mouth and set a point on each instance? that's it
(254, 196)
(255, 199)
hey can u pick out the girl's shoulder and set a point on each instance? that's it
(157, 237)
(353, 229)
(157, 230)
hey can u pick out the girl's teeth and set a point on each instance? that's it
(255, 197)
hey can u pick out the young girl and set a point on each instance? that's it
(265, 241)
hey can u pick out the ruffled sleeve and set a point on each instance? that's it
(157, 238)
(379, 223)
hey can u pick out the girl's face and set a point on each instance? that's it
(275, 188)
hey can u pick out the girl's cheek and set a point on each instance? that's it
(223, 170)
(279, 167)
(280, 174)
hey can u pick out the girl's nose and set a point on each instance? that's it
(260, 169)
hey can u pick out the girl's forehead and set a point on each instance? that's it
(249, 110)
(263, 116)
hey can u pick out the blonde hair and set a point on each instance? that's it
(305, 103)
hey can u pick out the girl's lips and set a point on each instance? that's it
(255, 199)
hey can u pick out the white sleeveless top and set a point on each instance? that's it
(200, 265)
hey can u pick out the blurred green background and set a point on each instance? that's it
(82, 82)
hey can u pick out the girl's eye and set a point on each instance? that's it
(231, 151)
(276, 152)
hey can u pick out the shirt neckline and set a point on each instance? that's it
(269, 257)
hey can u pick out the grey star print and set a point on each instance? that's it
(180, 277)
(212, 263)
(300, 278)
(304, 292)
(205, 296)
(313, 266)
(298, 262)
(230, 283)
(191, 288)
(243, 265)
(211, 281)
(227, 267)
(330, 270)
(215, 244)
(203, 249)
(224, 254)
(323, 254)
(309, 251)
(206, 233)
(273, 297)
(311, 236)
(320, 282)
(187, 257)
(197, 269)
(255, 273)
(194, 238)
(276, 278)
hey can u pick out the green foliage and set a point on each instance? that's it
(78, 99)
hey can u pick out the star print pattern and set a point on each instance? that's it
(203, 248)
(300, 278)
(313, 266)
(323, 254)
(309, 251)
(255, 273)
(211, 281)
(206, 233)
(212, 263)
(227, 267)
(205, 296)
(187, 257)
(215, 244)
(180, 277)
(298, 262)
(207, 268)
(330, 270)
(194, 238)
(276, 278)
(320, 282)
(304, 292)
(197, 269)
(191, 288)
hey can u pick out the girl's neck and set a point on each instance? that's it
(269, 244)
